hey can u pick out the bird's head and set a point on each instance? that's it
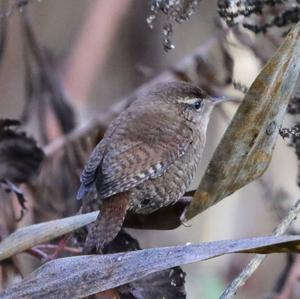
(189, 101)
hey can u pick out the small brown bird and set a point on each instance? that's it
(147, 158)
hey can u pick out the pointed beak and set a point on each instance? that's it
(217, 100)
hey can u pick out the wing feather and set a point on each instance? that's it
(124, 170)
(90, 170)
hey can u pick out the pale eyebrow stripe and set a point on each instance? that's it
(188, 100)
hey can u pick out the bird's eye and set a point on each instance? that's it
(197, 105)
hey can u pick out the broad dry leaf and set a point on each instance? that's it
(77, 277)
(162, 284)
(35, 234)
(246, 149)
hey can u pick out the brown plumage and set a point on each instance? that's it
(147, 158)
(108, 224)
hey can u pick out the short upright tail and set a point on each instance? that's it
(108, 224)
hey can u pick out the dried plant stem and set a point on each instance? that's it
(54, 246)
(39, 251)
(241, 279)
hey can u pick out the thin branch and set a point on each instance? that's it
(37, 253)
(54, 246)
(241, 279)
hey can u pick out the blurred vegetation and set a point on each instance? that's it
(67, 68)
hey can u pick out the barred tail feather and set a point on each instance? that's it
(108, 223)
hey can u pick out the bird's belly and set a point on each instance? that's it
(168, 188)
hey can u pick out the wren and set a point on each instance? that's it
(147, 158)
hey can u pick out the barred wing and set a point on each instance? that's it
(128, 165)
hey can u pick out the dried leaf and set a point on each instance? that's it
(11, 187)
(163, 284)
(55, 189)
(246, 149)
(76, 277)
(20, 157)
(35, 234)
